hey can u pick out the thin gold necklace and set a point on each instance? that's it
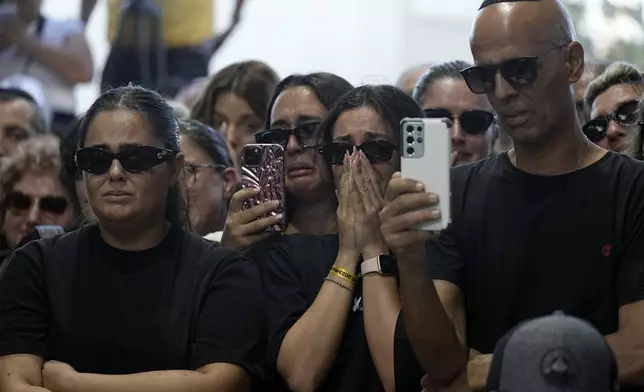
(577, 166)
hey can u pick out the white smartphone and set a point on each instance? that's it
(426, 157)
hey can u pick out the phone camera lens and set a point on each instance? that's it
(410, 128)
(419, 129)
(410, 150)
(252, 157)
(410, 139)
(419, 140)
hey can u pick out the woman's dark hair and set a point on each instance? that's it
(449, 69)
(391, 104)
(208, 140)
(327, 87)
(253, 81)
(69, 173)
(163, 123)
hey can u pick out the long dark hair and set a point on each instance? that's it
(163, 123)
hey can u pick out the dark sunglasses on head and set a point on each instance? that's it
(474, 122)
(376, 151)
(518, 72)
(305, 134)
(627, 114)
(135, 159)
(18, 201)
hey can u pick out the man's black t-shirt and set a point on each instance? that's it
(522, 246)
(293, 270)
(180, 305)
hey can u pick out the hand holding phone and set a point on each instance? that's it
(418, 198)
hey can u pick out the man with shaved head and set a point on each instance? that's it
(557, 223)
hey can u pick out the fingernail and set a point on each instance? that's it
(419, 186)
(275, 203)
(279, 216)
(433, 198)
(436, 214)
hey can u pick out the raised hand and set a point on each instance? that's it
(243, 228)
(346, 215)
(367, 201)
(406, 208)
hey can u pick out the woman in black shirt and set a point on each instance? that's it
(134, 303)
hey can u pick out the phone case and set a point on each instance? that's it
(268, 177)
(426, 157)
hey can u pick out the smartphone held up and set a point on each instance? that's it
(263, 169)
(426, 157)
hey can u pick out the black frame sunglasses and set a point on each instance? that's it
(518, 72)
(133, 159)
(376, 151)
(19, 201)
(305, 134)
(473, 122)
(627, 114)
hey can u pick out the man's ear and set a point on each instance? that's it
(231, 181)
(575, 60)
(177, 166)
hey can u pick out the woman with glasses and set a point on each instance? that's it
(297, 107)
(442, 93)
(209, 174)
(32, 192)
(331, 318)
(613, 102)
(134, 302)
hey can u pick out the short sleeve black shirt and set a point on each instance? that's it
(181, 305)
(522, 246)
(293, 270)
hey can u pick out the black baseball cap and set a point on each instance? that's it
(554, 353)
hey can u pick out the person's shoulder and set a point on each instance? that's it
(61, 244)
(209, 254)
(69, 26)
(488, 166)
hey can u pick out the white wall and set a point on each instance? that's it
(361, 40)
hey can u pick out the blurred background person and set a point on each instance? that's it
(613, 103)
(592, 69)
(442, 93)
(32, 192)
(185, 38)
(20, 119)
(53, 51)
(209, 174)
(407, 81)
(235, 102)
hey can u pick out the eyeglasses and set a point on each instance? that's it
(305, 134)
(134, 159)
(474, 122)
(376, 151)
(18, 201)
(518, 72)
(193, 168)
(627, 114)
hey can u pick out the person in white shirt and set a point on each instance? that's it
(53, 51)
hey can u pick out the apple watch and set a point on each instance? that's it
(383, 264)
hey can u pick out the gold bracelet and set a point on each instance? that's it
(339, 284)
(344, 274)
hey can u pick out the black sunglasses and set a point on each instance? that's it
(18, 201)
(518, 72)
(305, 134)
(627, 114)
(134, 159)
(376, 151)
(474, 122)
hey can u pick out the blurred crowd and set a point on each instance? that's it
(134, 258)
